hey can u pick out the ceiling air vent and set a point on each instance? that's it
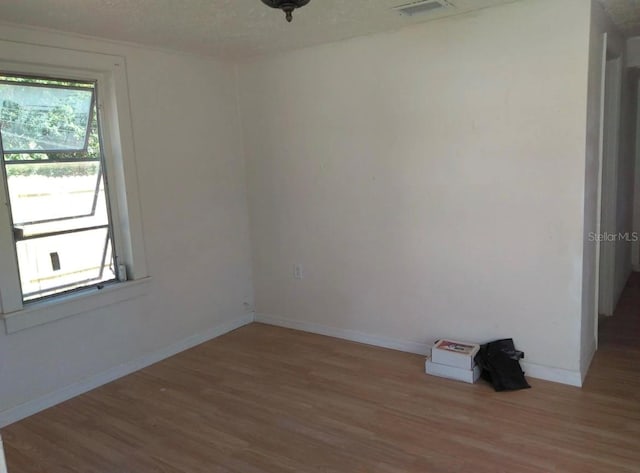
(422, 7)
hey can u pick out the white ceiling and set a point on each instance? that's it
(625, 14)
(222, 28)
(243, 28)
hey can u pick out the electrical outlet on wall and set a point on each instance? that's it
(297, 271)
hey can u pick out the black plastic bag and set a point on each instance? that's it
(500, 363)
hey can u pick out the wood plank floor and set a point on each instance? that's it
(266, 399)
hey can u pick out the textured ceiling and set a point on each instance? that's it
(222, 28)
(625, 14)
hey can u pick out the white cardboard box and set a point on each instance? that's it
(455, 354)
(450, 372)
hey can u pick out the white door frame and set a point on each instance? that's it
(609, 183)
(635, 244)
(606, 219)
(603, 69)
(3, 463)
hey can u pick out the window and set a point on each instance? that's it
(72, 226)
(55, 180)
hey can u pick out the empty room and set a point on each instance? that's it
(319, 236)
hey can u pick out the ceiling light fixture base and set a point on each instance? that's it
(287, 6)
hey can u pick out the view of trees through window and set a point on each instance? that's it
(53, 169)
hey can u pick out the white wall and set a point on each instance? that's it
(430, 181)
(195, 220)
(633, 52)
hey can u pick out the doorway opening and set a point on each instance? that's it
(617, 243)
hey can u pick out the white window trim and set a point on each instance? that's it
(118, 146)
(68, 305)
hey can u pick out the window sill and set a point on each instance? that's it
(39, 313)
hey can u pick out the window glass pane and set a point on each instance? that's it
(47, 118)
(63, 262)
(59, 207)
(53, 191)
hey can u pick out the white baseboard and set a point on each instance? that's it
(548, 373)
(557, 375)
(14, 414)
(346, 334)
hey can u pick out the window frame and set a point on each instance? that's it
(102, 181)
(63, 87)
(112, 95)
